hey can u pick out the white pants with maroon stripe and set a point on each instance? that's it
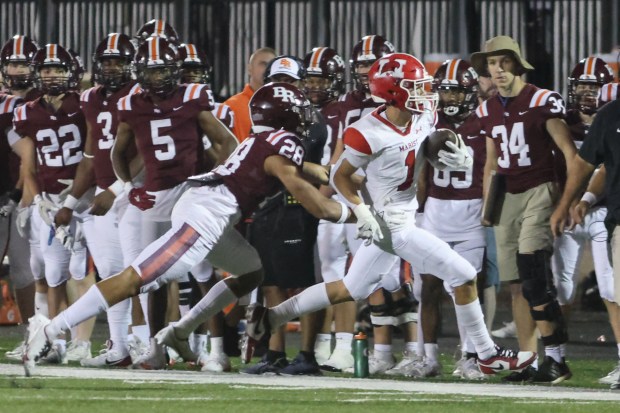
(203, 223)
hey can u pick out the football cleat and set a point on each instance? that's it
(508, 331)
(256, 328)
(109, 357)
(322, 351)
(550, 371)
(611, 378)
(78, 350)
(216, 363)
(302, 365)
(423, 369)
(339, 361)
(467, 369)
(57, 355)
(17, 353)
(520, 376)
(37, 343)
(167, 336)
(266, 367)
(137, 348)
(404, 364)
(379, 365)
(154, 359)
(506, 359)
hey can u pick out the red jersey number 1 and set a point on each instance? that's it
(409, 163)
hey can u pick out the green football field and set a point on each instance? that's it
(76, 389)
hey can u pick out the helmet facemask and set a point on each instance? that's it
(585, 97)
(113, 73)
(420, 99)
(22, 81)
(160, 79)
(51, 81)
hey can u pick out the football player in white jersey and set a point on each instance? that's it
(385, 144)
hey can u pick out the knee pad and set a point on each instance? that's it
(553, 314)
(380, 315)
(405, 310)
(536, 277)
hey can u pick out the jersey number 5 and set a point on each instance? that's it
(170, 151)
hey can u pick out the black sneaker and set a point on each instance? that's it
(302, 365)
(520, 376)
(266, 367)
(552, 372)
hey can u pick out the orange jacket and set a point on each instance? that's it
(239, 104)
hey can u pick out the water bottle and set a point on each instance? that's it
(360, 354)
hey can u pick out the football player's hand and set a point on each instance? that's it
(367, 226)
(47, 209)
(21, 222)
(7, 209)
(459, 159)
(63, 234)
(63, 217)
(102, 203)
(141, 199)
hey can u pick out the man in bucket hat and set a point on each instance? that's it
(522, 124)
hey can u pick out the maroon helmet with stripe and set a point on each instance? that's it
(195, 67)
(19, 50)
(281, 105)
(54, 55)
(113, 61)
(366, 52)
(456, 75)
(157, 67)
(159, 28)
(324, 63)
(585, 83)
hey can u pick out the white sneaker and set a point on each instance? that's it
(56, 355)
(216, 363)
(167, 336)
(379, 365)
(339, 361)
(467, 369)
(424, 368)
(78, 350)
(403, 365)
(17, 353)
(37, 344)
(137, 348)
(322, 351)
(508, 331)
(108, 357)
(612, 377)
(154, 359)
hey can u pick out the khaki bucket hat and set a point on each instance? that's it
(497, 46)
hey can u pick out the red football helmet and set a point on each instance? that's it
(401, 80)
(365, 53)
(456, 75)
(323, 63)
(585, 82)
(19, 49)
(157, 67)
(159, 28)
(113, 61)
(281, 106)
(195, 67)
(54, 56)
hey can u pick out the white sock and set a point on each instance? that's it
(199, 343)
(411, 347)
(470, 316)
(323, 338)
(554, 353)
(89, 305)
(308, 301)
(383, 351)
(431, 351)
(563, 350)
(144, 304)
(183, 309)
(217, 345)
(343, 341)
(118, 322)
(142, 332)
(420, 342)
(218, 297)
(40, 304)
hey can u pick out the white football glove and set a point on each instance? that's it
(63, 234)
(459, 159)
(7, 209)
(367, 226)
(47, 209)
(395, 218)
(21, 221)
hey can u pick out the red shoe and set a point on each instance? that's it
(506, 359)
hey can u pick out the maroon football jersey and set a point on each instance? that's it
(166, 133)
(459, 185)
(224, 114)
(100, 111)
(244, 170)
(355, 105)
(523, 145)
(58, 138)
(9, 161)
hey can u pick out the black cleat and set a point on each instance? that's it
(302, 365)
(267, 367)
(550, 371)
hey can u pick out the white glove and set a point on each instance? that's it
(395, 218)
(459, 159)
(21, 222)
(63, 234)
(7, 209)
(367, 226)
(47, 209)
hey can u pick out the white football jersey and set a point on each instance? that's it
(388, 155)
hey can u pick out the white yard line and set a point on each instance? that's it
(471, 390)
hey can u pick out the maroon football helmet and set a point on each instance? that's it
(281, 106)
(54, 55)
(401, 80)
(585, 82)
(115, 48)
(19, 49)
(157, 67)
(159, 28)
(366, 52)
(457, 76)
(195, 67)
(324, 63)
(79, 69)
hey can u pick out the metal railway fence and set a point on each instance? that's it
(554, 35)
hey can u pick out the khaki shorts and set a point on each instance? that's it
(523, 226)
(615, 257)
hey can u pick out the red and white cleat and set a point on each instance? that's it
(506, 359)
